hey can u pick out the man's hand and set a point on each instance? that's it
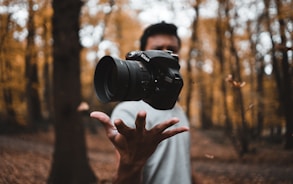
(135, 145)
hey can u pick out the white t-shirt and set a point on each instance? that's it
(170, 163)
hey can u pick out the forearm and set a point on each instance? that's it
(129, 173)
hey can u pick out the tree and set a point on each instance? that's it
(220, 53)
(191, 57)
(9, 85)
(286, 83)
(70, 163)
(31, 73)
(5, 71)
(47, 48)
(259, 77)
(235, 68)
(281, 67)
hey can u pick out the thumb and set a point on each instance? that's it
(105, 120)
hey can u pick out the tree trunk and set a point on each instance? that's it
(220, 29)
(47, 70)
(5, 77)
(70, 163)
(238, 99)
(206, 101)
(31, 74)
(286, 85)
(256, 98)
(276, 69)
(191, 57)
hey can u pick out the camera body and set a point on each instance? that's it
(152, 76)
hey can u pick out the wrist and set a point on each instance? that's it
(129, 173)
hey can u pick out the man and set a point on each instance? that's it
(148, 150)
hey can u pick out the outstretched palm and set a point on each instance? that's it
(135, 145)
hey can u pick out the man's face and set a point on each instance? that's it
(163, 42)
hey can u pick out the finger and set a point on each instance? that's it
(122, 128)
(140, 121)
(166, 124)
(175, 131)
(105, 120)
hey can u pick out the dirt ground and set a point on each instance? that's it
(26, 159)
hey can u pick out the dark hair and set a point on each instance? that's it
(159, 28)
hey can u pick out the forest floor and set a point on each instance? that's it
(26, 159)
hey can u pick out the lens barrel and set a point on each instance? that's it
(121, 80)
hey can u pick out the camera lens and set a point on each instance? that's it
(110, 82)
(119, 80)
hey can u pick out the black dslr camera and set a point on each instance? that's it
(152, 76)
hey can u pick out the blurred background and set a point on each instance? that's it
(236, 60)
